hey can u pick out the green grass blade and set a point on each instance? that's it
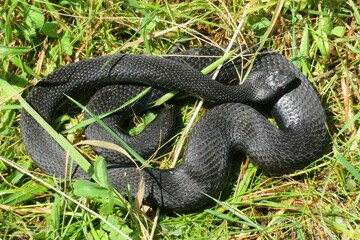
(101, 116)
(6, 51)
(348, 166)
(108, 129)
(349, 123)
(63, 142)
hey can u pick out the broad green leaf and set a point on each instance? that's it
(113, 234)
(101, 172)
(326, 25)
(136, 5)
(66, 43)
(84, 188)
(49, 29)
(338, 31)
(34, 18)
(259, 25)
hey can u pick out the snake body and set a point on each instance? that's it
(300, 135)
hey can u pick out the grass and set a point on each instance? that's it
(321, 38)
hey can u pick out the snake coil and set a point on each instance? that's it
(300, 135)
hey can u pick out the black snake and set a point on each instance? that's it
(300, 135)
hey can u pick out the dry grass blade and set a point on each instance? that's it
(107, 145)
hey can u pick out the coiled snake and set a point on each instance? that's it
(300, 135)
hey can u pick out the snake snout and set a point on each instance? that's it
(287, 81)
(272, 84)
(281, 82)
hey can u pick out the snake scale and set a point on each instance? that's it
(299, 137)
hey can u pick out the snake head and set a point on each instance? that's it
(270, 85)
